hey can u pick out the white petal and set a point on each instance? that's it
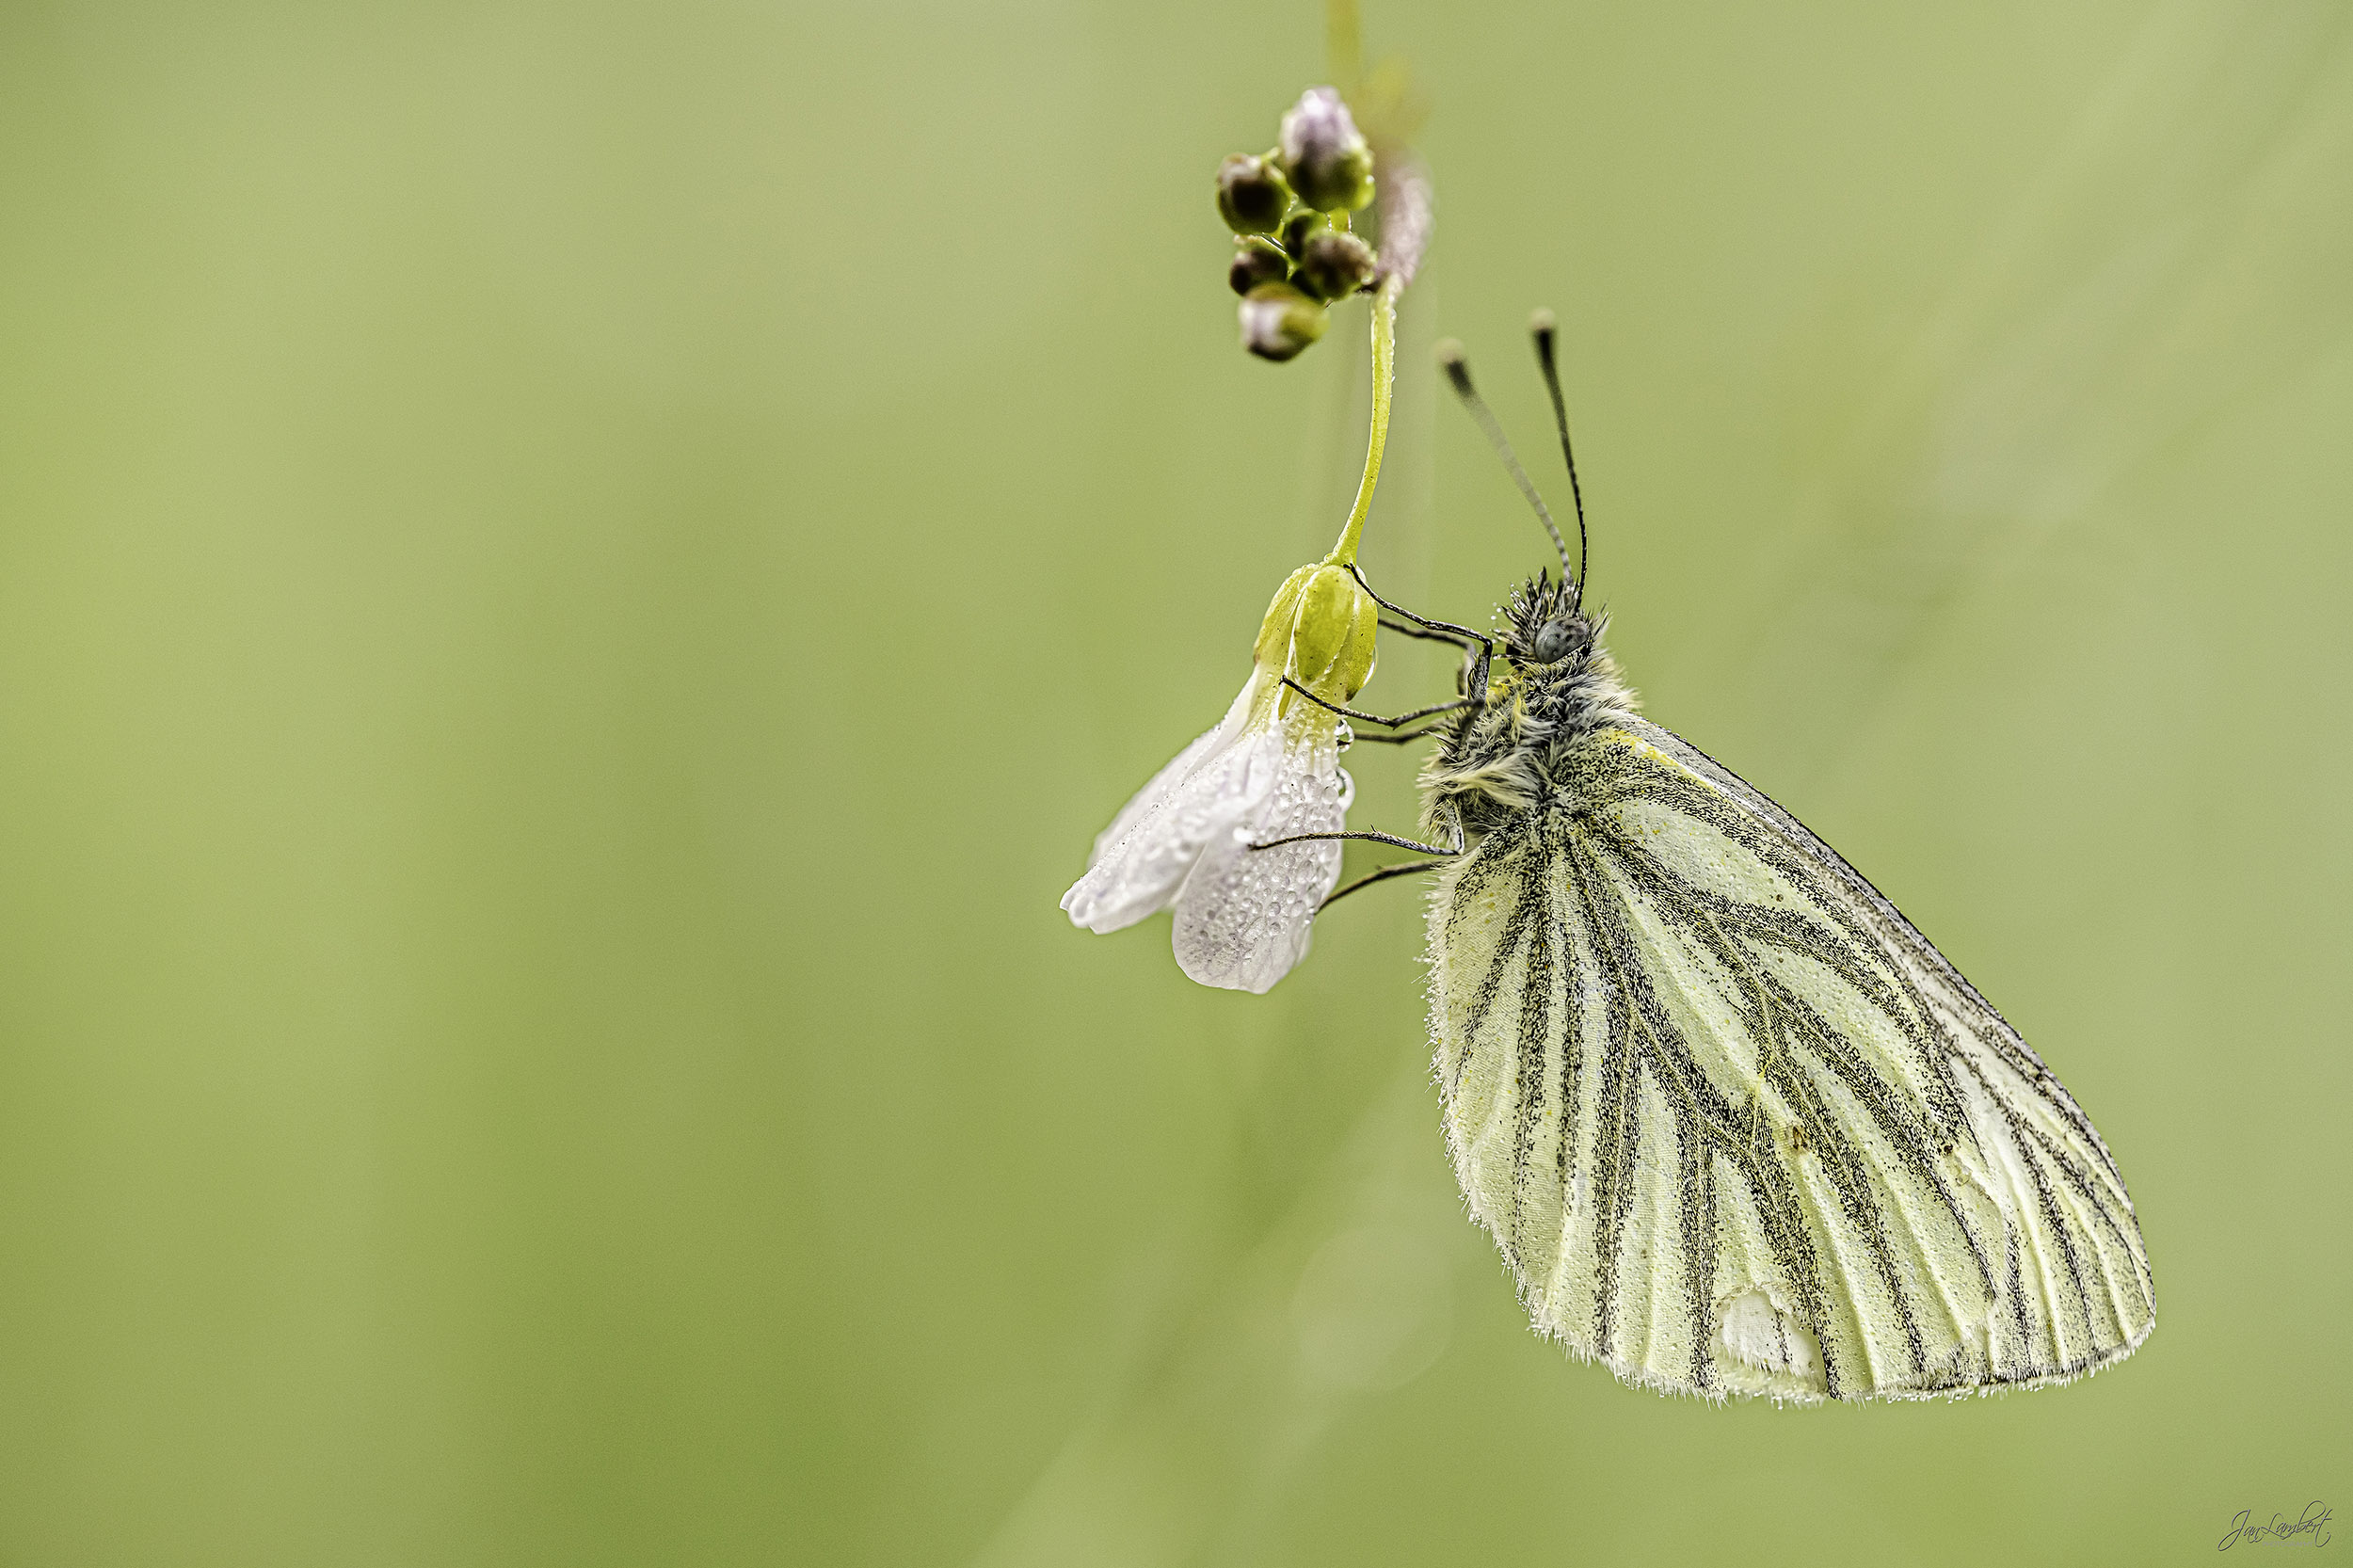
(1162, 784)
(1140, 860)
(1244, 916)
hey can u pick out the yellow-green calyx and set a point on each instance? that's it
(1318, 631)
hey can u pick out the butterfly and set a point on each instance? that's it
(1736, 1124)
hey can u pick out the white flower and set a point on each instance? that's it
(1270, 770)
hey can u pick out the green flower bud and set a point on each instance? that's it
(1320, 631)
(1251, 195)
(1258, 262)
(1277, 321)
(1329, 162)
(1301, 227)
(1333, 266)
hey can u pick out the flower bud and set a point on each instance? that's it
(1320, 631)
(1277, 321)
(1251, 195)
(1301, 227)
(1329, 162)
(1333, 266)
(1258, 262)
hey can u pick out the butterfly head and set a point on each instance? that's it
(1561, 638)
(1556, 671)
(1548, 628)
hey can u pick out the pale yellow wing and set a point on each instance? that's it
(1738, 1127)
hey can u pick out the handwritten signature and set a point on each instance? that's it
(2314, 1522)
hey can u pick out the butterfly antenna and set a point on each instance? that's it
(1458, 372)
(1544, 327)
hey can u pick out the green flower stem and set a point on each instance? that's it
(1383, 373)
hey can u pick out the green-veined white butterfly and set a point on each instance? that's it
(1736, 1124)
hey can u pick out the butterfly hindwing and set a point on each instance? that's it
(1737, 1127)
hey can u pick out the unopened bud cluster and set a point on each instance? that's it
(1289, 210)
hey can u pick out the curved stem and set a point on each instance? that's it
(1383, 373)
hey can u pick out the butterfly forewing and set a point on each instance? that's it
(1737, 1127)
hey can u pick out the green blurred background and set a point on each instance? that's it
(578, 579)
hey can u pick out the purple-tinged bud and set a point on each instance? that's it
(1301, 227)
(1334, 265)
(1278, 321)
(1251, 195)
(1258, 262)
(1329, 162)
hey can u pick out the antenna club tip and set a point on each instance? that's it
(1544, 323)
(1452, 361)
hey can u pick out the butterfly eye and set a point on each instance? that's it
(1554, 641)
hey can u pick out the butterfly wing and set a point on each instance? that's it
(1738, 1127)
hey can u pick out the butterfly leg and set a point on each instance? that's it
(1404, 735)
(1463, 635)
(1473, 655)
(1403, 868)
(1481, 649)
(1406, 630)
(1413, 844)
(1375, 718)
(1444, 854)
